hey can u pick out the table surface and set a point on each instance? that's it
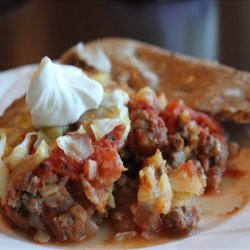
(216, 30)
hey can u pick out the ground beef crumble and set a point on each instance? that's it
(182, 220)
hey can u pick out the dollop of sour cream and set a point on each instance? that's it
(59, 94)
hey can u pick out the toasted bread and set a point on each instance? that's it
(219, 90)
(16, 122)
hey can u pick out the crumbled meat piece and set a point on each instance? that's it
(148, 132)
(71, 225)
(41, 237)
(74, 225)
(177, 141)
(32, 204)
(214, 177)
(60, 200)
(121, 217)
(213, 155)
(182, 220)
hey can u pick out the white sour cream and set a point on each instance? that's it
(59, 94)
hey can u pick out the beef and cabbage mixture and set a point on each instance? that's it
(137, 168)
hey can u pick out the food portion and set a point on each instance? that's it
(63, 197)
(84, 148)
(178, 153)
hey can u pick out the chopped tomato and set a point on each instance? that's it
(114, 138)
(62, 164)
(148, 132)
(205, 120)
(173, 111)
(105, 151)
(109, 163)
(190, 169)
(100, 172)
(171, 115)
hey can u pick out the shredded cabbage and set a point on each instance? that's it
(187, 181)
(20, 151)
(81, 130)
(155, 191)
(102, 127)
(76, 145)
(118, 99)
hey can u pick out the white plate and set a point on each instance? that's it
(218, 228)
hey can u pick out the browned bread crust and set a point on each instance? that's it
(16, 122)
(208, 86)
